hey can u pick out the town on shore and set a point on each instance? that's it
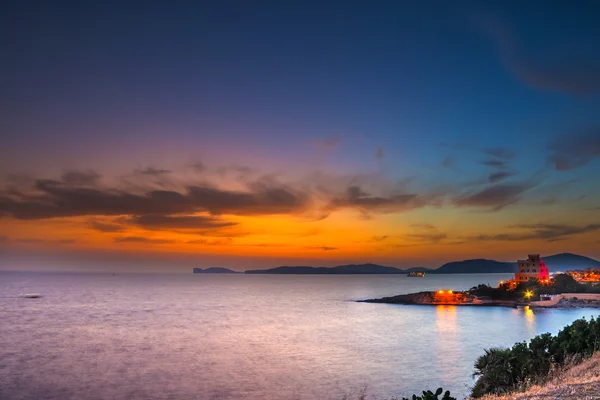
(531, 286)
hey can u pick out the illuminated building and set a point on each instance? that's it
(533, 267)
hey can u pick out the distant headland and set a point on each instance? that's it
(215, 270)
(557, 262)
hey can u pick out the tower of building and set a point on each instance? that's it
(533, 267)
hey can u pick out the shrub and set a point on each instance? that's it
(500, 371)
(429, 395)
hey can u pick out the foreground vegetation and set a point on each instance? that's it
(579, 382)
(501, 371)
(427, 395)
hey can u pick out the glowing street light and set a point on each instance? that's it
(528, 294)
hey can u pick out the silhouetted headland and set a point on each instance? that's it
(215, 270)
(341, 269)
(557, 262)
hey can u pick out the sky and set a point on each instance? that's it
(239, 134)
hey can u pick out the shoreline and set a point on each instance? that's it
(565, 300)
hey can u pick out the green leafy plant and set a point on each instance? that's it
(429, 395)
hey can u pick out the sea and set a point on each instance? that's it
(199, 336)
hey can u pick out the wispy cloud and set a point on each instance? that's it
(324, 248)
(28, 240)
(329, 143)
(449, 163)
(88, 177)
(211, 242)
(494, 163)
(575, 149)
(500, 152)
(157, 221)
(494, 197)
(380, 238)
(356, 198)
(198, 166)
(379, 154)
(425, 233)
(152, 171)
(141, 239)
(105, 226)
(499, 176)
(543, 231)
(562, 70)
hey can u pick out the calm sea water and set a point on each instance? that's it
(160, 336)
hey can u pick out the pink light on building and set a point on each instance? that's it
(544, 273)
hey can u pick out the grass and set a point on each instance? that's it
(580, 381)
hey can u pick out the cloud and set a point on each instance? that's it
(264, 197)
(242, 171)
(37, 240)
(449, 162)
(324, 248)
(83, 178)
(494, 197)
(198, 166)
(155, 221)
(553, 231)
(547, 232)
(105, 226)
(560, 69)
(499, 176)
(141, 239)
(379, 238)
(55, 199)
(575, 149)
(426, 233)
(427, 237)
(28, 240)
(215, 242)
(578, 77)
(355, 197)
(152, 171)
(329, 143)
(548, 201)
(500, 152)
(500, 164)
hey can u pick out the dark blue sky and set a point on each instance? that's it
(405, 75)
(460, 97)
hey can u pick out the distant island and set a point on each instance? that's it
(214, 270)
(557, 262)
(339, 270)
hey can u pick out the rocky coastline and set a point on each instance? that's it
(465, 299)
(433, 299)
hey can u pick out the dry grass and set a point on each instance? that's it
(579, 382)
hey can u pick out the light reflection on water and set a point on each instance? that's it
(530, 320)
(244, 337)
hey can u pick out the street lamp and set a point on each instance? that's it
(528, 294)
